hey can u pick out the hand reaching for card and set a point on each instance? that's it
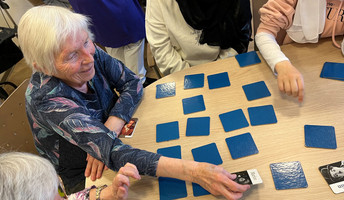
(290, 80)
(218, 181)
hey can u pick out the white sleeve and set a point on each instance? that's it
(166, 57)
(269, 49)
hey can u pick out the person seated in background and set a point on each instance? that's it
(185, 33)
(120, 28)
(301, 21)
(28, 176)
(73, 109)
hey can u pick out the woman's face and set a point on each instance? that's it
(337, 172)
(75, 64)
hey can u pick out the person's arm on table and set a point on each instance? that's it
(128, 86)
(290, 80)
(213, 178)
(166, 57)
(274, 16)
(118, 190)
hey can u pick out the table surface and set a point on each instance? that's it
(280, 142)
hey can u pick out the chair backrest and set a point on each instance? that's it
(256, 5)
(15, 132)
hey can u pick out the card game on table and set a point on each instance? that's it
(231, 113)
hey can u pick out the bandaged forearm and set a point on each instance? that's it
(269, 49)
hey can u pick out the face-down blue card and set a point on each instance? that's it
(233, 120)
(333, 70)
(288, 175)
(320, 136)
(167, 131)
(241, 145)
(256, 90)
(207, 153)
(262, 115)
(170, 188)
(248, 58)
(198, 126)
(193, 104)
(194, 81)
(218, 80)
(165, 90)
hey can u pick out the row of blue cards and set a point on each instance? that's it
(252, 91)
(259, 115)
(333, 70)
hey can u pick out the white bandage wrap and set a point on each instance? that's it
(269, 49)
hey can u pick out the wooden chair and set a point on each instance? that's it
(256, 5)
(15, 132)
(151, 61)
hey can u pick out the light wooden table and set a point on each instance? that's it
(281, 142)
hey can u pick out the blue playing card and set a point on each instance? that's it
(256, 90)
(320, 136)
(193, 81)
(233, 120)
(198, 190)
(171, 152)
(248, 58)
(198, 126)
(288, 175)
(167, 131)
(193, 104)
(241, 145)
(262, 115)
(207, 153)
(170, 188)
(333, 70)
(218, 80)
(165, 90)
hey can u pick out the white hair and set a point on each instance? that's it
(27, 176)
(43, 30)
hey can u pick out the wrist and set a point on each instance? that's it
(99, 190)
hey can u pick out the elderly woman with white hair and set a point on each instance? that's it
(73, 109)
(28, 176)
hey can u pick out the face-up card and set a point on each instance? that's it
(218, 80)
(129, 128)
(207, 153)
(248, 58)
(334, 175)
(198, 126)
(233, 120)
(262, 115)
(170, 188)
(241, 145)
(333, 71)
(288, 175)
(165, 90)
(193, 104)
(167, 131)
(248, 177)
(320, 136)
(256, 90)
(193, 81)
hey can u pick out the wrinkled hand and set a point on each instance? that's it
(218, 181)
(94, 168)
(121, 183)
(290, 80)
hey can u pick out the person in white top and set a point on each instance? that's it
(175, 42)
